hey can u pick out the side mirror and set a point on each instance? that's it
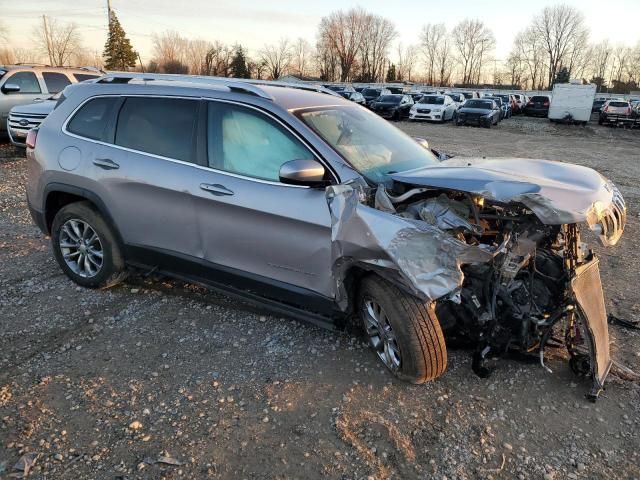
(10, 88)
(309, 173)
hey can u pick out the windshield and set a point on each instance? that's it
(370, 92)
(483, 104)
(370, 144)
(390, 99)
(467, 95)
(432, 100)
(454, 96)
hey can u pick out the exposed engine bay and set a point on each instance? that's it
(520, 301)
(503, 279)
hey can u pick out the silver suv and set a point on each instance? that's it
(315, 207)
(28, 83)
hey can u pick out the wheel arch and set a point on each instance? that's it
(58, 195)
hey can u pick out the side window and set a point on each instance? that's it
(92, 119)
(161, 126)
(27, 82)
(55, 82)
(81, 77)
(246, 142)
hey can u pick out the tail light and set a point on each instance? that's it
(606, 109)
(32, 135)
(628, 110)
(529, 103)
(546, 104)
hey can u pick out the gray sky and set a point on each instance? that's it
(253, 23)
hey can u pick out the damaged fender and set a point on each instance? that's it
(413, 254)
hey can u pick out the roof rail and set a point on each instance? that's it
(231, 83)
(246, 85)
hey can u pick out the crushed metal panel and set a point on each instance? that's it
(416, 255)
(587, 288)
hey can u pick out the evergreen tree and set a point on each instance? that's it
(118, 52)
(239, 67)
(391, 73)
(562, 76)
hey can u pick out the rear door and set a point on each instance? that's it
(144, 169)
(252, 225)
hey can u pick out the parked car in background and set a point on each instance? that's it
(598, 103)
(371, 93)
(457, 97)
(615, 111)
(538, 106)
(521, 102)
(505, 109)
(395, 89)
(478, 111)
(394, 106)
(23, 84)
(416, 96)
(469, 95)
(23, 118)
(354, 97)
(339, 88)
(434, 107)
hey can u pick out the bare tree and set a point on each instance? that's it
(277, 58)
(473, 41)
(601, 55)
(432, 38)
(407, 58)
(196, 51)
(345, 33)
(560, 28)
(217, 60)
(621, 56)
(302, 56)
(57, 40)
(379, 34)
(529, 48)
(169, 46)
(326, 60)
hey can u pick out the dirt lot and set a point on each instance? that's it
(159, 379)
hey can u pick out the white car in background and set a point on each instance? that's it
(439, 108)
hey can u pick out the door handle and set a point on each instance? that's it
(106, 163)
(216, 189)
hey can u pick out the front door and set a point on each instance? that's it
(252, 224)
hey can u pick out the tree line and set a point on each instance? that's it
(356, 45)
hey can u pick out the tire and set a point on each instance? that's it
(111, 270)
(415, 329)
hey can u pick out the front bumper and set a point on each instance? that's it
(465, 120)
(17, 137)
(587, 290)
(425, 116)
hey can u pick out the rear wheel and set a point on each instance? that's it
(404, 332)
(85, 247)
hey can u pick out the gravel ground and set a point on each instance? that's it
(161, 379)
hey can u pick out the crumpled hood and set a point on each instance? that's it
(558, 193)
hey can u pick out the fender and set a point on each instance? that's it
(54, 187)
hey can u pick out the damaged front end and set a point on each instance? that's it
(500, 253)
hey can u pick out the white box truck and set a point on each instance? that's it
(572, 102)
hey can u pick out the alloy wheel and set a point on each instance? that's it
(81, 248)
(381, 336)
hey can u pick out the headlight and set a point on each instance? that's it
(414, 109)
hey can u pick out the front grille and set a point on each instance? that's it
(613, 219)
(424, 110)
(33, 120)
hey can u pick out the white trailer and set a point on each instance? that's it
(572, 102)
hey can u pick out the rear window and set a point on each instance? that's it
(371, 91)
(618, 104)
(539, 98)
(55, 82)
(160, 126)
(92, 119)
(81, 77)
(390, 99)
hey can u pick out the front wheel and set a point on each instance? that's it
(85, 247)
(404, 332)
